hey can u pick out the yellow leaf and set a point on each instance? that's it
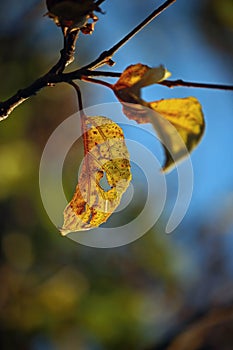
(136, 77)
(180, 127)
(105, 175)
(179, 122)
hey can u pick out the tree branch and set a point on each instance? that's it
(55, 74)
(67, 53)
(48, 79)
(51, 78)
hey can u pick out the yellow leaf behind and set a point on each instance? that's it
(180, 128)
(179, 123)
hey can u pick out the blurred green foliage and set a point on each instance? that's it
(217, 22)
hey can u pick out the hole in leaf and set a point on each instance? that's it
(104, 183)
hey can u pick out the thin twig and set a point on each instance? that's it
(179, 82)
(96, 81)
(168, 83)
(99, 2)
(106, 56)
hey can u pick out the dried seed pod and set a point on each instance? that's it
(73, 14)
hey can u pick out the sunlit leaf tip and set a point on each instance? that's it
(135, 77)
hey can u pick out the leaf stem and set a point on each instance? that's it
(79, 95)
(96, 81)
(83, 119)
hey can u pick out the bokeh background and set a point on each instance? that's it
(57, 294)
